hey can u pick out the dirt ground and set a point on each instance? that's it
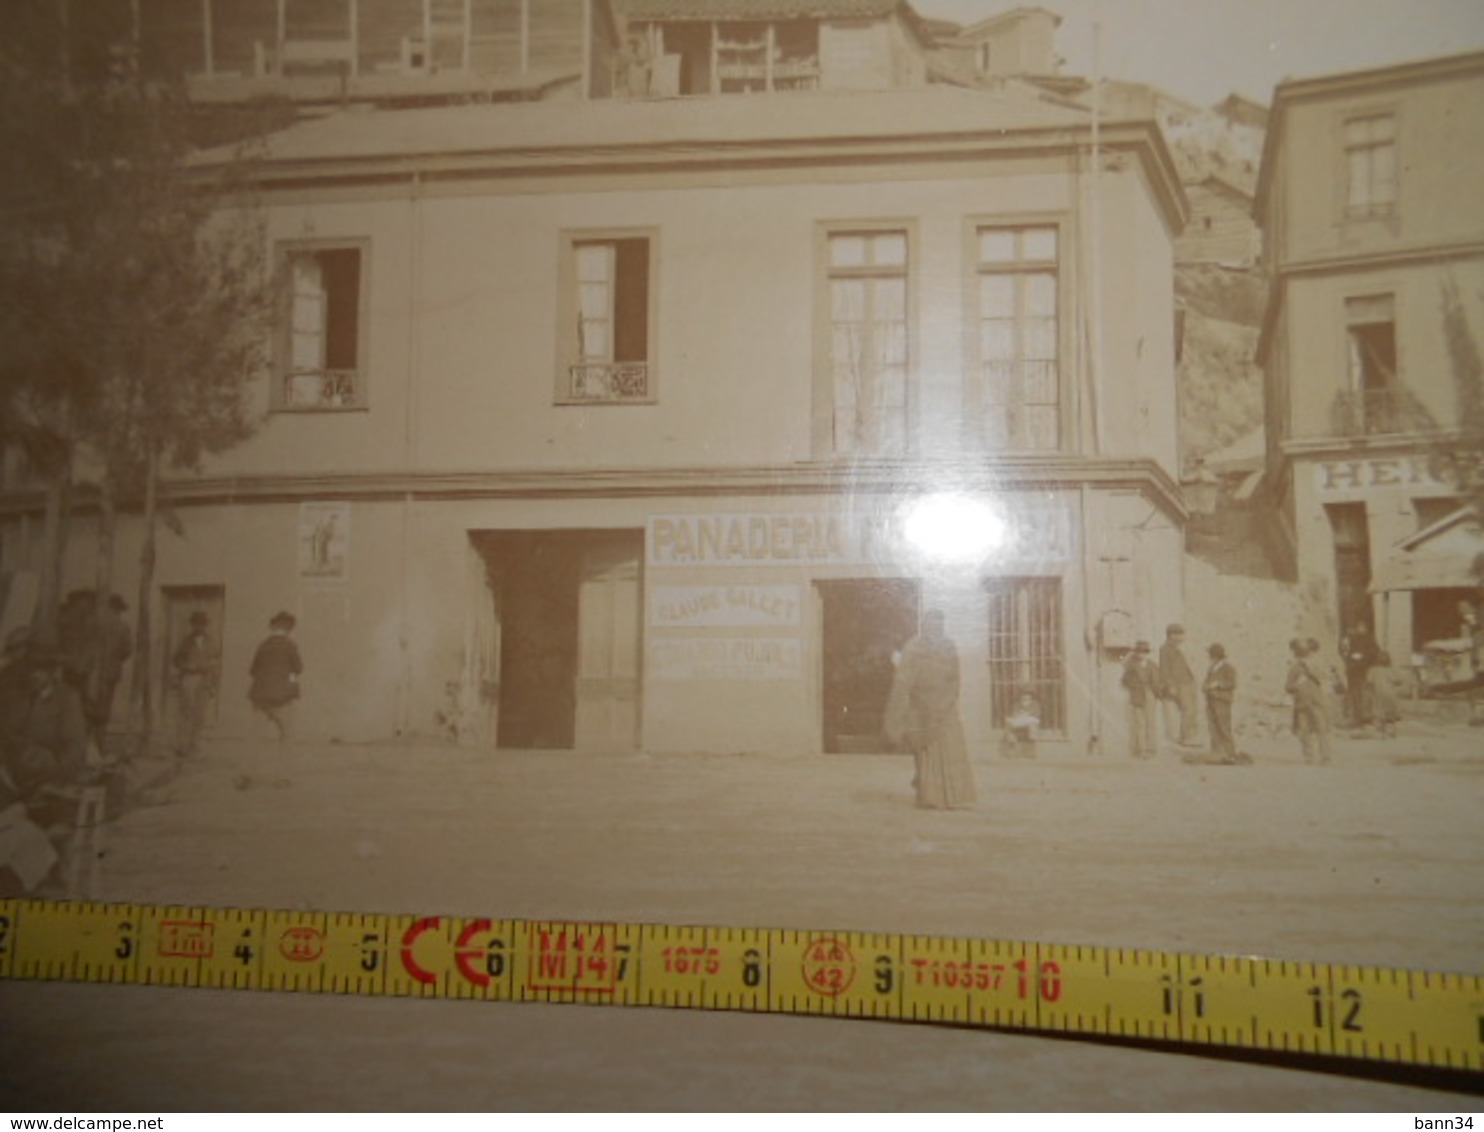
(1376, 859)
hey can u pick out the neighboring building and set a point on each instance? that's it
(608, 424)
(1221, 229)
(1020, 42)
(1374, 224)
(1241, 111)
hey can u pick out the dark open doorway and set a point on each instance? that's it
(567, 609)
(865, 622)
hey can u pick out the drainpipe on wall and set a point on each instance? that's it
(409, 449)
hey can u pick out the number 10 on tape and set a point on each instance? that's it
(1368, 1013)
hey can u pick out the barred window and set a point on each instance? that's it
(1025, 649)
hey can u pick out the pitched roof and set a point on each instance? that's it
(363, 134)
(755, 9)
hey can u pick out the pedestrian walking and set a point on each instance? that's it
(1141, 679)
(276, 668)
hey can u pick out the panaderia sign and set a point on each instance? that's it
(1040, 533)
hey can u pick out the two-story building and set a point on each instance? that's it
(620, 423)
(1375, 244)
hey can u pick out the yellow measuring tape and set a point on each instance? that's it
(1372, 1013)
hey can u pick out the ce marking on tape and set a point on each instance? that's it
(479, 962)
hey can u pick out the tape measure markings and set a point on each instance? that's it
(1357, 1012)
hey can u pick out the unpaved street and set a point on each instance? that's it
(1376, 860)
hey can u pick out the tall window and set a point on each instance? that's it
(1018, 338)
(1371, 331)
(609, 320)
(1025, 649)
(323, 365)
(868, 342)
(1370, 165)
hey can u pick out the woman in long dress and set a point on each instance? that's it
(922, 716)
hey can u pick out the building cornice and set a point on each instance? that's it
(414, 172)
(872, 480)
(1360, 447)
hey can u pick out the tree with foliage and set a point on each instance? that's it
(138, 301)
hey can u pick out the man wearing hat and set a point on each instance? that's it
(194, 664)
(1221, 688)
(1177, 684)
(1141, 678)
(276, 668)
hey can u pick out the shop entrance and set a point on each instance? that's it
(567, 637)
(865, 622)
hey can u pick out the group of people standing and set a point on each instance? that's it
(1172, 682)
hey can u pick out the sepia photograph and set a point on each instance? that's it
(918, 490)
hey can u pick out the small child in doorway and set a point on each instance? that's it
(1021, 727)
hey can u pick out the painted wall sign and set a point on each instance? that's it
(1039, 533)
(724, 606)
(324, 540)
(1447, 470)
(725, 658)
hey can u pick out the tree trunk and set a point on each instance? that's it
(53, 548)
(107, 525)
(141, 695)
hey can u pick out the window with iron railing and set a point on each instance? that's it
(1376, 403)
(608, 292)
(321, 366)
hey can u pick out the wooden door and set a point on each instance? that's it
(609, 641)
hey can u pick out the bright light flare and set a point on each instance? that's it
(953, 528)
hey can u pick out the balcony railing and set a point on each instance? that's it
(321, 389)
(1380, 412)
(608, 382)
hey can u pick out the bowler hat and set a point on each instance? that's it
(283, 619)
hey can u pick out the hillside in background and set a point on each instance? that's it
(1223, 299)
(1220, 384)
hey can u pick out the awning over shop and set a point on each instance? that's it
(1448, 555)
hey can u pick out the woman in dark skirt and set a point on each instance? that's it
(276, 668)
